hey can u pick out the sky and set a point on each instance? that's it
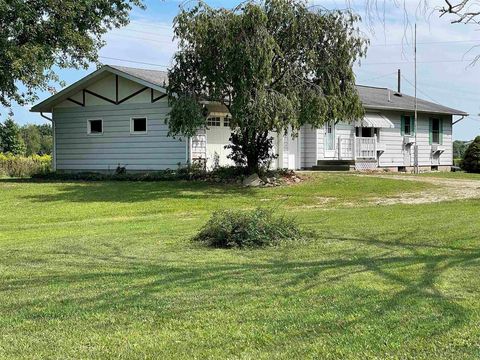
(444, 52)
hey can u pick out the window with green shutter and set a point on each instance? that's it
(435, 131)
(407, 126)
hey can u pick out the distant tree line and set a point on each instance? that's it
(25, 140)
(459, 148)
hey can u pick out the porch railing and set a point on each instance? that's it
(357, 147)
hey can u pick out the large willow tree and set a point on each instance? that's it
(275, 65)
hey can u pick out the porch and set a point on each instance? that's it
(359, 148)
(353, 153)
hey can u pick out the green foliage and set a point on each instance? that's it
(38, 36)
(459, 148)
(21, 166)
(247, 229)
(259, 145)
(120, 175)
(274, 65)
(10, 138)
(471, 158)
(37, 139)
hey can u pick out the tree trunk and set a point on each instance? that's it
(251, 148)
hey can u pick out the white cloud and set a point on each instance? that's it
(142, 41)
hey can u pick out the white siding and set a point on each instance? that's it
(217, 138)
(396, 153)
(320, 143)
(76, 150)
(309, 144)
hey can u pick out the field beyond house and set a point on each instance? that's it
(107, 270)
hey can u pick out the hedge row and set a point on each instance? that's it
(22, 166)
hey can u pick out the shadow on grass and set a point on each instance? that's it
(129, 192)
(178, 290)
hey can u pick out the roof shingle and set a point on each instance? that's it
(384, 98)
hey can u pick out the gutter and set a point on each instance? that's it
(45, 117)
(456, 121)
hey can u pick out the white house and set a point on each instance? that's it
(116, 116)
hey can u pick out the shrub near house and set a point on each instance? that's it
(471, 159)
(23, 166)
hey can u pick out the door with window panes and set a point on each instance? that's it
(329, 140)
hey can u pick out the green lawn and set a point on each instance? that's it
(452, 175)
(107, 270)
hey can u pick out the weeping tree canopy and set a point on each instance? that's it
(274, 65)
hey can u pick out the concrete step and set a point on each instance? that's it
(335, 162)
(331, 167)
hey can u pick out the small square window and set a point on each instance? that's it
(213, 121)
(138, 125)
(95, 126)
(226, 121)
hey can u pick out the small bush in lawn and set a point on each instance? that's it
(243, 229)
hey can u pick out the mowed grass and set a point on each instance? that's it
(107, 270)
(452, 175)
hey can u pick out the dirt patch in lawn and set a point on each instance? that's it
(443, 190)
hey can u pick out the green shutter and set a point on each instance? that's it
(440, 125)
(412, 125)
(402, 125)
(430, 135)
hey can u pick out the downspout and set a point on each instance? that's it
(456, 121)
(54, 142)
(453, 123)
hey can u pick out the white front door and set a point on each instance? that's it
(329, 140)
(290, 152)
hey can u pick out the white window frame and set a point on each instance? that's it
(138, 132)
(89, 129)
(226, 120)
(214, 117)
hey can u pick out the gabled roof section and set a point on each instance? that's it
(373, 98)
(386, 99)
(159, 78)
(154, 79)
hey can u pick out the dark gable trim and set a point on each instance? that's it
(76, 102)
(117, 101)
(100, 96)
(132, 95)
(155, 99)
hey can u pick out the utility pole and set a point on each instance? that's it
(415, 147)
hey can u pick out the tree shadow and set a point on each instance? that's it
(131, 192)
(177, 289)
